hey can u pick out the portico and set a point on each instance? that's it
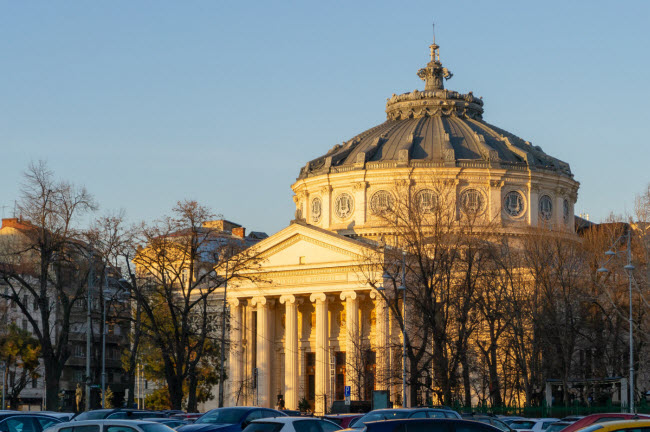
(304, 328)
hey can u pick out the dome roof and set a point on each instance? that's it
(434, 128)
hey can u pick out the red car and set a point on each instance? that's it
(601, 418)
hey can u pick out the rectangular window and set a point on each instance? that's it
(24, 324)
(34, 382)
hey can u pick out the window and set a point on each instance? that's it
(34, 382)
(419, 414)
(471, 201)
(426, 200)
(79, 351)
(46, 422)
(24, 324)
(545, 207)
(344, 205)
(307, 426)
(253, 415)
(118, 429)
(381, 202)
(514, 204)
(264, 427)
(316, 209)
(78, 376)
(329, 427)
(35, 305)
(20, 424)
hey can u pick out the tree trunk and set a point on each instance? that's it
(192, 405)
(466, 379)
(52, 378)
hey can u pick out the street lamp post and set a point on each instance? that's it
(89, 328)
(629, 267)
(223, 338)
(402, 288)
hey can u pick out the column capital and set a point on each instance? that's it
(234, 302)
(352, 295)
(290, 298)
(258, 301)
(318, 297)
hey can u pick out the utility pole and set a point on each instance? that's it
(104, 338)
(89, 329)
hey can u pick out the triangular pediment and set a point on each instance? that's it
(309, 246)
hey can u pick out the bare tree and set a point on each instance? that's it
(184, 262)
(45, 265)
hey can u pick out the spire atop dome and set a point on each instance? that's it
(433, 74)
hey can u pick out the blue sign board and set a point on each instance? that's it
(347, 391)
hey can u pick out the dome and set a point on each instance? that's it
(436, 137)
(434, 127)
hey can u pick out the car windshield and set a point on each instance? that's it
(522, 424)
(263, 427)
(92, 415)
(379, 415)
(222, 416)
(154, 427)
(556, 427)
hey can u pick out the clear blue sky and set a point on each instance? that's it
(150, 102)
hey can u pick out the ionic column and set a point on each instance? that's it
(263, 357)
(382, 332)
(235, 394)
(322, 351)
(291, 372)
(352, 357)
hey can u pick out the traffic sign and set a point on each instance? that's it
(347, 395)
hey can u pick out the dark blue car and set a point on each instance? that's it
(429, 425)
(232, 419)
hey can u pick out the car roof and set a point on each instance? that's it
(614, 425)
(102, 421)
(287, 419)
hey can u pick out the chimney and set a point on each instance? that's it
(239, 232)
(10, 223)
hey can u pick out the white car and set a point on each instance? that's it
(533, 424)
(292, 424)
(109, 426)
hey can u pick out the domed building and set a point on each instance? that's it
(298, 324)
(441, 134)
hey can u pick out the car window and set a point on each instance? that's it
(263, 427)
(154, 427)
(418, 414)
(380, 415)
(270, 413)
(307, 426)
(641, 429)
(522, 424)
(223, 416)
(117, 416)
(328, 427)
(86, 428)
(68, 429)
(547, 424)
(20, 424)
(46, 422)
(253, 415)
(499, 424)
(437, 414)
(118, 428)
(591, 428)
(92, 415)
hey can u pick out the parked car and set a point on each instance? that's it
(15, 421)
(558, 426)
(232, 419)
(402, 413)
(601, 418)
(343, 420)
(532, 425)
(640, 425)
(60, 415)
(109, 425)
(170, 422)
(487, 419)
(429, 425)
(117, 413)
(292, 424)
(509, 419)
(189, 417)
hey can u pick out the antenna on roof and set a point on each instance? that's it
(433, 25)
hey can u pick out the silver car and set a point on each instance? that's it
(110, 426)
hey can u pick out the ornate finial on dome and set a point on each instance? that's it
(433, 74)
